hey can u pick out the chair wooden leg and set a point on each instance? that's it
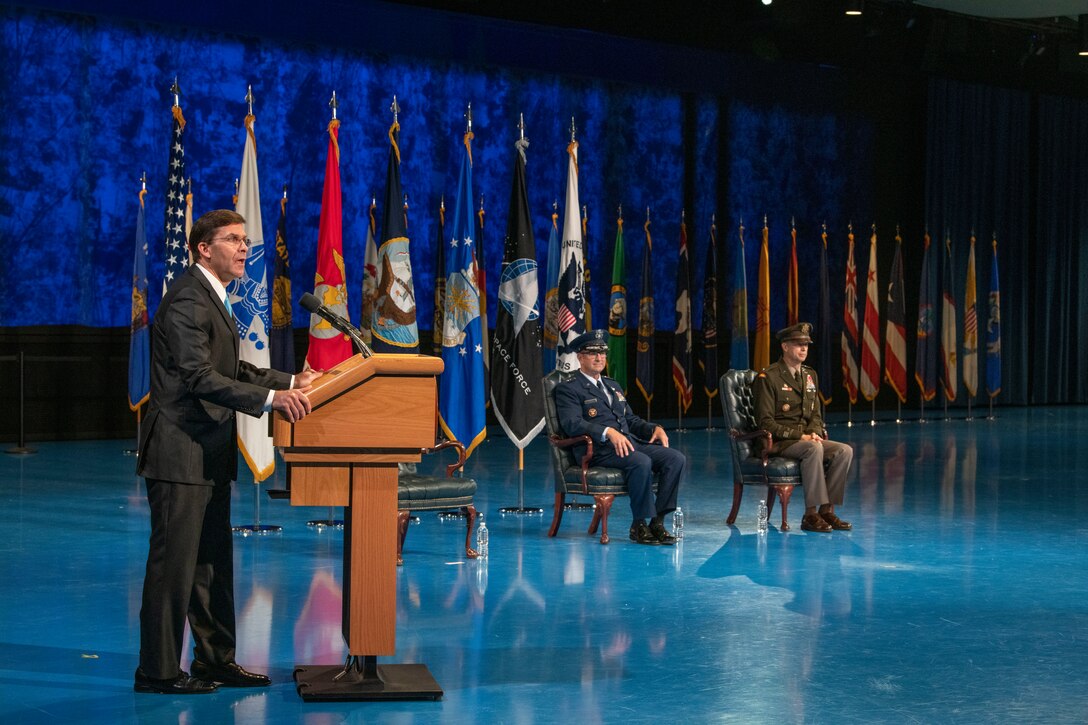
(470, 514)
(604, 507)
(402, 531)
(557, 517)
(784, 493)
(738, 493)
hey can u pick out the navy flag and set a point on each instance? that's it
(516, 364)
(644, 350)
(710, 316)
(681, 345)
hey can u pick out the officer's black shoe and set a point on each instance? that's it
(641, 534)
(662, 536)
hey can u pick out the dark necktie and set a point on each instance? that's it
(604, 393)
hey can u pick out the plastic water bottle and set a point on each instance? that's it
(678, 523)
(761, 517)
(481, 538)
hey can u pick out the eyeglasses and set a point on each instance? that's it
(234, 240)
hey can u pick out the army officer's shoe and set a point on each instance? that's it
(230, 674)
(183, 684)
(835, 522)
(809, 522)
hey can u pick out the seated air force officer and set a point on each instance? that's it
(590, 404)
(787, 407)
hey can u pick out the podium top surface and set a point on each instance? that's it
(357, 369)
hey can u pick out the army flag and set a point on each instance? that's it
(439, 278)
(948, 327)
(370, 275)
(252, 311)
(551, 296)
(762, 355)
(850, 325)
(870, 331)
(710, 316)
(617, 313)
(993, 331)
(281, 340)
(925, 355)
(970, 326)
(139, 344)
(738, 346)
(175, 233)
(644, 348)
(461, 393)
(681, 339)
(516, 394)
(328, 346)
(394, 322)
(823, 327)
(793, 287)
(895, 330)
(571, 315)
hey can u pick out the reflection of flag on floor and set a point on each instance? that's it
(738, 348)
(762, 354)
(970, 326)
(571, 316)
(644, 349)
(948, 327)
(850, 325)
(281, 342)
(516, 395)
(681, 345)
(870, 333)
(329, 346)
(461, 392)
(139, 351)
(993, 332)
(394, 322)
(823, 327)
(895, 331)
(551, 296)
(925, 360)
(249, 302)
(710, 316)
(617, 313)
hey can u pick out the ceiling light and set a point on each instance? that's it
(1082, 35)
(855, 7)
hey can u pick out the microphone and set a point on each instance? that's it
(313, 305)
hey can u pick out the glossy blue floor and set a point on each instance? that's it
(958, 597)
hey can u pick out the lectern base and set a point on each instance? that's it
(357, 681)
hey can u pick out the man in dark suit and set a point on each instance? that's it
(787, 407)
(188, 456)
(591, 404)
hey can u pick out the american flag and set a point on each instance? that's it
(177, 256)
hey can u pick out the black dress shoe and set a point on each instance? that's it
(229, 675)
(641, 534)
(662, 536)
(183, 684)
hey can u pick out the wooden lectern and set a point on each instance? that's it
(368, 415)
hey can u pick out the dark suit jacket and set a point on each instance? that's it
(197, 383)
(786, 408)
(583, 411)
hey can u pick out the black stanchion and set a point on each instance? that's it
(22, 449)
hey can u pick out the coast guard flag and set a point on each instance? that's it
(895, 332)
(439, 278)
(252, 313)
(738, 349)
(139, 351)
(970, 326)
(394, 321)
(762, 355)
(461, 393)
(681, 355)
(370, 275)
(551, 296)
(925, 363)
(516, 395)
(176, 238)
(870, 334)
(617, 313)
(644, 348)
(329, 346)
(710, 316)
(823, 328)
(993, 332)
(571, 313)
(948, 327)
(282, 340)
(850, 325)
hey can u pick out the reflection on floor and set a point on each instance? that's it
(958, 597)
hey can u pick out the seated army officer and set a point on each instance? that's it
(590, 404)
(787, 407)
